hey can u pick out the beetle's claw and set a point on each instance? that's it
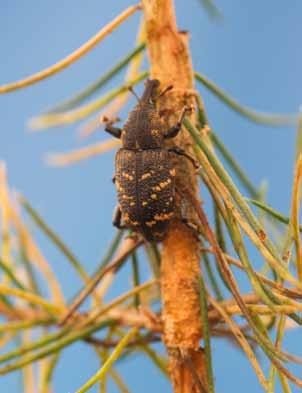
(106, 120)
(197, 166)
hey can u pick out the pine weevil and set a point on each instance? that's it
(144, 173)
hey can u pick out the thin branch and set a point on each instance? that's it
(170, 63)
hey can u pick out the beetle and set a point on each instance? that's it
(144, 173)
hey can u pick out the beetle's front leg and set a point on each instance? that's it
(117, 218)
(181, 152)
(173, 131)
(114, 131)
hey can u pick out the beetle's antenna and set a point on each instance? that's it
(163, 92)
(130, 88)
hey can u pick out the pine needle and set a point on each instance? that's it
(243, 343)
(72, 157)
(82, 112)
(268, 119)
(100, 82)
(109, 362)
(76, 55)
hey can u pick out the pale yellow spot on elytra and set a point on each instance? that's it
(163, 216)
(156, 188)
(150, 223)
(172, 172)
(155, 133)
(127, 176)
(164, 184)
(146, 175)
(129, 198)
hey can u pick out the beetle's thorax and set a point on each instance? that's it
(143, 128)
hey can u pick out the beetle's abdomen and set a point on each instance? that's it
(146, 188)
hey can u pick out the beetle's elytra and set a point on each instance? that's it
(144, 174)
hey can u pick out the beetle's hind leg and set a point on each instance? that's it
(185, 215)
(117, 222)
(117, 218)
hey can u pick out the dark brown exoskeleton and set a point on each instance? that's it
(144, 174)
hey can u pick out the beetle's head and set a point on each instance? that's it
(150, 92)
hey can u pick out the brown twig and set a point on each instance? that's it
(106, 343)
(171, 64)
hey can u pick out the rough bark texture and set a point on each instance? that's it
(171, 63)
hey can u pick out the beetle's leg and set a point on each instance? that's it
(181, 152)
(191, 225)
(130, 88)
(114, 131)
(113, 179)
(117, 217)
(173, 131)
(184, 216)
(164, 91)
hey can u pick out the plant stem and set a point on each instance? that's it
(170, 63)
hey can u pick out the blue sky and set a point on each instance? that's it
(254, 54)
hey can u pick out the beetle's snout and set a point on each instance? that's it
(154, 83)
(151, 86)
